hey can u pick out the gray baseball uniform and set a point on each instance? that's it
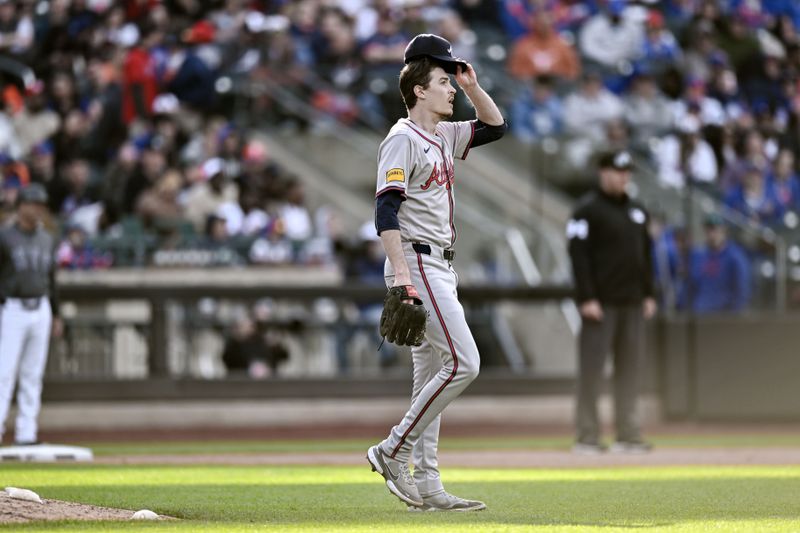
(420, 166)
(26, 284)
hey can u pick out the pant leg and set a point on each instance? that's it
(12, 337)
(31, 370)
(595, 342)
(449, 335)
(427, 363)
(628, 353)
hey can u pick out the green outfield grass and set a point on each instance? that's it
(344, 499)
(451, 443)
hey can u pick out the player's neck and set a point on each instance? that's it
(424, 119)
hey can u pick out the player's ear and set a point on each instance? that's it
(419, 92)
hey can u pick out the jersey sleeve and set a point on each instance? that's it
(459, 135)
(395, 164)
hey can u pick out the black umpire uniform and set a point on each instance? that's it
(610, 250)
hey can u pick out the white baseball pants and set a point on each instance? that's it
(24, 341)
(444, 365)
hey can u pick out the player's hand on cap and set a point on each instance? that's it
(466, 79)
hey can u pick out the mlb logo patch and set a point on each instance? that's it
(395, 174)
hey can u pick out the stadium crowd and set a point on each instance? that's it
(125, 120)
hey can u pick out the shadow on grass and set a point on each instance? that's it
(640, 503)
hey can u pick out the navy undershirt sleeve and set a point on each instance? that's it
(485, 133)
(386, 207)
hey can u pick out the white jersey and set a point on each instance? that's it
(420, 165)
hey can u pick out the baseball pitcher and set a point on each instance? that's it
(414, 215)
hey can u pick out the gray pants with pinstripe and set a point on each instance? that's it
(622, 332)
(444, 365)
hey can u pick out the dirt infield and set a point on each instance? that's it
(495, 459)
(20, 511)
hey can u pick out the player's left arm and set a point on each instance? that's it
(485, 109)
(489, 125)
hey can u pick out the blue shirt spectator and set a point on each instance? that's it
(754, 199)
(537, 112)
(784, 183)
(719, 274)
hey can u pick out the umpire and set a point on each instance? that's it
(610, 250)
(28, 305)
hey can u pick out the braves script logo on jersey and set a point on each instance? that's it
(439, 177)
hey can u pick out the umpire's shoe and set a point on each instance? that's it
(444, 501)
(397, 475)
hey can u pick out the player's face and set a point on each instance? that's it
(440, 94)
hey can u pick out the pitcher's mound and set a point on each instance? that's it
(19, 511)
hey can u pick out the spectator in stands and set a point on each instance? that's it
(753, 199)
(189, 76)
(139, 83)
(696, 102)
(294, 213)
(686, 156)
(77, 174)
(537, 112)
(250, 350)
(719, 274)
(244, 217)
(34, 123)
(785, 183)
(272, 248)
(669, 249)
(383, 57)
(214, 189)
(105, 128)
(701, 47)
(543, 52)
(75, 252)
(16, 28)
(158, 205)
(588, 110)
(647, 110)
(723, 86)
(611, 38)
(660, 49)
(752, 152)
(739, 44)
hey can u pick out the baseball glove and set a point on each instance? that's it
(403, 323)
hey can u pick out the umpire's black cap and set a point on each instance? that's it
(35, 193)
(617, 159)
(435, 47)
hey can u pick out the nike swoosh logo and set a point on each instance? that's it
(393, 475)
(426, 150)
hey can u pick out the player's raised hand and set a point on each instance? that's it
(466, 79)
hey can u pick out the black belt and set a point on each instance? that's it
(420, 248)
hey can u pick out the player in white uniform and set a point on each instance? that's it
(414, 218)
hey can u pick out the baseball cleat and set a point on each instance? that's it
(398, 477)
(445, 501)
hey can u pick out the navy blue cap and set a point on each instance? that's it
(435, 47)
